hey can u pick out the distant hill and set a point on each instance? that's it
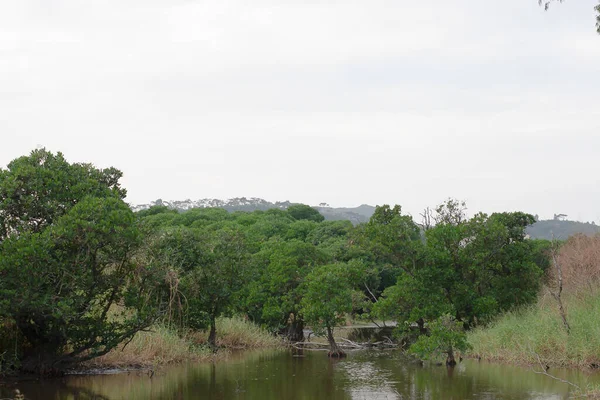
(356, 215)
(560, 229)
(546, 229)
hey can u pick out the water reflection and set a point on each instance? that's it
(307, 375)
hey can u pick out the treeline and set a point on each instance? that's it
(81, 273)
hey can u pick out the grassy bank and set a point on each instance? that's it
(520, 337)
(162, 346)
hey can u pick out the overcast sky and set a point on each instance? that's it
(346, 102)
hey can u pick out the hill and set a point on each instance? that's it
(560, 229)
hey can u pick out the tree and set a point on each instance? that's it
(212, 266)
(471, 269)
(39, 188)
(67, 247)
(445, 336)
(328, 298)
(155, 210)
(393, 241)
(274, 298)
(302, 211)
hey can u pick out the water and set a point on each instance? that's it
(280, 375)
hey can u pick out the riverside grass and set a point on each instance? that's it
(161, 345)
(521, 336)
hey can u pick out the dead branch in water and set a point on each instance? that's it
(544, 371)
(345, 344)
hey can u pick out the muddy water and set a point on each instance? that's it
(281, 375)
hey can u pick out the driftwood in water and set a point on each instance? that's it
(344, 344)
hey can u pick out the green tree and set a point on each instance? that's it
(329, 296)
(333, 238)
(274, 298)
(154, 210)
(302, 211)
(393, 243)
(212, 267)
(69, 279)
(472, 269)
(37, 189)
(446, 335)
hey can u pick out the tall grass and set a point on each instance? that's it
(536, 334)
(537, 331)
(238, 333)
(158, 346)
(162, 345)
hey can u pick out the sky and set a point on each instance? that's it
(344, 102)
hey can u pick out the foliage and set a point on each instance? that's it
(446, 334)
(80, 273)
(154, 210)
(329, 294)
(275, 297)
(391, 243)
(37, 189)
(67, 243)
(211, 265)
(304, 212)
(471, 268)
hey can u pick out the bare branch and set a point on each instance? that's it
(544, 371)
(557, 294)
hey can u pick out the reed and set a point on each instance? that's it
(537, 331)
(238, 333)
(162, 346)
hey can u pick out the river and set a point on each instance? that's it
(282, 375)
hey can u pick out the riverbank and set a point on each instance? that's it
(536, 334)
(163, 346)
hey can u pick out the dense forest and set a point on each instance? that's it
(356, 215)
(81, 272)
(557, 228)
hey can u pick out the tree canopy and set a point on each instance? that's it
(67, 245)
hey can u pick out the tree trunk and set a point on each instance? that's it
(294, 331)
(334, 350)
(450, 361)
(42, 364)
(421, 325)
(212, 336)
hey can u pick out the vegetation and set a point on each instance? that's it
(521, 336)
(82, 274)
(329, 297)
(471, 269)
(537, 332)
(68, 244)
(162, 345)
